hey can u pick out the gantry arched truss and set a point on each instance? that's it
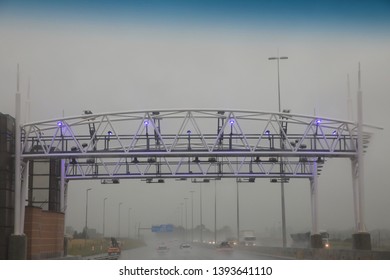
(190, 143)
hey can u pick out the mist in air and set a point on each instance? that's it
(146, 55)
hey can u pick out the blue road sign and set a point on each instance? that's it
(155, 228)
(163, 228)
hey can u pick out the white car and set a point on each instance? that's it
(162, 249)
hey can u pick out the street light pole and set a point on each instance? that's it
(185, 200)
(238, 215)
(201, 222)
(178, 215)
(277, 58)
(181, 219)
(181, 214)
(192, 216)
(119, 219)
(86, 215)
(129, 224)
(104, 215)
(215, 212)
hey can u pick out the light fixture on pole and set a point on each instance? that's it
(277, 58)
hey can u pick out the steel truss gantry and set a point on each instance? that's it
(196, 143)
(190, 143)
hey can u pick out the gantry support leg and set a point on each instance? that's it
(17, 249)
(315, 237)
(361, 240)
(355, 191)
(62, 186)
(63, 202)
(18, 241)
(23, 194)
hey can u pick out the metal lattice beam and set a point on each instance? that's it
(190, 143)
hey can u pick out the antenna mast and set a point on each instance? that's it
(349, 100)
(28, 104)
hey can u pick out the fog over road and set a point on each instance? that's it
(150, 252)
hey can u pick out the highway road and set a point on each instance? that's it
(174, 252)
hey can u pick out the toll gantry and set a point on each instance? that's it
(155, 145)
(190, 143)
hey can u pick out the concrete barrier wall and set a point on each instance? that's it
(321, 254)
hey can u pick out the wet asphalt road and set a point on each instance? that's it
(150, 252)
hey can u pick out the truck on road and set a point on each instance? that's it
(302, 240)
(247, 238)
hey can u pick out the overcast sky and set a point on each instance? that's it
(141, 55)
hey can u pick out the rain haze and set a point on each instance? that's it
(149, 55)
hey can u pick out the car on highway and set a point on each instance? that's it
(224, 247)
(185, 246)
(233, 242)
(162, 249)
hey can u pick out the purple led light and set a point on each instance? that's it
(318, 121)
(267, 132)
(109, 133)
(189, 132)
(60, 123)
(334, 132)
(146, 122)
(231, 121)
